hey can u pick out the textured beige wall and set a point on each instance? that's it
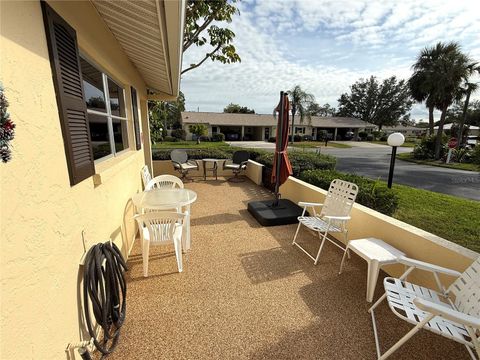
(415, 242)
(42, 216)
(165, 167)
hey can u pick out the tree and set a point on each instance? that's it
(202, 28)
(198, 130)
(237, 109)
(325, 110)
(164, 115)
(382, 104)
(300, 101)
(468, 90)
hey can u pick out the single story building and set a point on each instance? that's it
(472, 130)
(407, 131)
(258, 127)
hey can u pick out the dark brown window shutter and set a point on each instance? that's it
(67, 77)
(136, 121)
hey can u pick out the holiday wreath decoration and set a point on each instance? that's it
(7, 129)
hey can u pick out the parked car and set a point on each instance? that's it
(349, 135)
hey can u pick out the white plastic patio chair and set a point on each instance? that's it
(333, 217)
(164, 182)
(146, 177)
(161, 228)
(453, 313)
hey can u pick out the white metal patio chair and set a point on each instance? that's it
(161, 228)
(182, 164)
(146, 177)
(453, 313)
(333, 217)
(164, 182)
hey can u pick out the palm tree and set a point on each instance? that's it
(300, 101)
(468, 90)
(438, 75)
(422, 82)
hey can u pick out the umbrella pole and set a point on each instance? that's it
(279, 147)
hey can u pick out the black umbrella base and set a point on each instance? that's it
(286, 212)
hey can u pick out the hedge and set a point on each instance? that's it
(164, 154)
(373, 194)
(301, 161)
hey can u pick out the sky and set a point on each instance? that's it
(325, 46)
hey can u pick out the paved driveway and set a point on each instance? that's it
(375, 162)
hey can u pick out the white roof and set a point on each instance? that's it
(449, 126)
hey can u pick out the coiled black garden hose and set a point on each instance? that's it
(105, 288)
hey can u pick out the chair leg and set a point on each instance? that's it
(321, 246)
(406, 337)
(178, 253)
(296, 233)
(343, 259)
(145, 252)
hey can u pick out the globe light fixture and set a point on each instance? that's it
(394, 140)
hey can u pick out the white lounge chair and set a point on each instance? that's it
(161, 228)
(333, 217)
(164, 181)
(453, 312)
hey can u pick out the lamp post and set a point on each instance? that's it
(394, 140)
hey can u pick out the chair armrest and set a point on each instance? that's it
(306, 204)
(225, 163)
(243, 164)
(340, 218)
(447, 313)
(428, 267)
(176, 164)
(193, 162)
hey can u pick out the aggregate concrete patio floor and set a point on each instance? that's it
(246, 293)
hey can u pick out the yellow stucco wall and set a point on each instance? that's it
(42, 216)
(165, 167)
(414, 242)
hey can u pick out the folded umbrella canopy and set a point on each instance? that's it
(282, 168)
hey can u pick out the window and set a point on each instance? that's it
(299, 130)
(105, 101)
(214, 129)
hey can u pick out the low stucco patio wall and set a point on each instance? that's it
(253, 171)
(414, 242)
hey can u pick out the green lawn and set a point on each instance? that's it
(189, 145)
(409, 144)
(458, 166)
(315, 144)
(450, 217)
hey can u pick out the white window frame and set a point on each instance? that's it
(108, 113)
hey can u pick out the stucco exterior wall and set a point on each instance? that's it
(414, 242)
(253, 170)
(42, 216)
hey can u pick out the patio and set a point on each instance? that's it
(247, 293)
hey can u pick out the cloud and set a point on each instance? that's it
(324, 46)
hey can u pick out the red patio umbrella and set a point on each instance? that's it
(284, 170)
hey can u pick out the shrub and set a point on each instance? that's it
(475, 155)
(373, 194)
(179, 134)
(272, 139)
(301, 161)
(370, 137)
(426, 148)
(362, 135)
(218, 137)
(384, 137)
(322, 135)
(164, 154)
(170, 139)
(297, 138)
(377, 134)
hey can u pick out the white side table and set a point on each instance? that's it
(376, 253)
